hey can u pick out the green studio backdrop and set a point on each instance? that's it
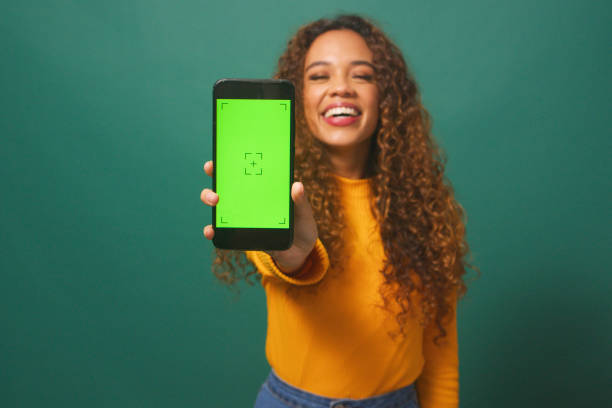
(107, 298)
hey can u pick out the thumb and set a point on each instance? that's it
(302, 207)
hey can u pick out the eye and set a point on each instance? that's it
(364, 77)
(315, 77)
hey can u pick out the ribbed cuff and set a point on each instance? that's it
(314, 268)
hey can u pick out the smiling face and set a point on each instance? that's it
(340, 93)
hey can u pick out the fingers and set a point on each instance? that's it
(209, 232)
(209, 197)
(208, 168)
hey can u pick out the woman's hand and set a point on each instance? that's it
(305, 232)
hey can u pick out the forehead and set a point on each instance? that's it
(338, 46)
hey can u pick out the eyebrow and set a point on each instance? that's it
(358, 62)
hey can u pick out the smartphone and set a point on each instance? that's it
(253, 153)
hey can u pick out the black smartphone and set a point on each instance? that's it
(253, 153)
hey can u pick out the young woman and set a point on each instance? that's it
(362, 307)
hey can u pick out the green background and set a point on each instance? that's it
(253, 166)
(107, 298)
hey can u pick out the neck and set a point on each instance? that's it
(350, 162)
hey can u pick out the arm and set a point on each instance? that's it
(438, 384)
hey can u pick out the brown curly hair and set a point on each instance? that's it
(421, 223)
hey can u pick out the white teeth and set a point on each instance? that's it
(341, 110)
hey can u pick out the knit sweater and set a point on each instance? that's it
(325, 334)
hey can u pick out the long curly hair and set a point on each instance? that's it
(421, 224)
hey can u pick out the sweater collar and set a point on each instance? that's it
(353, 188)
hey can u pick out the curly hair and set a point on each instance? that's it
(422, 226)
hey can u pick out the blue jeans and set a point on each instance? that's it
(275, 393)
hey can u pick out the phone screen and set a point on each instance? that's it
(253, 163)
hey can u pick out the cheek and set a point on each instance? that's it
(310, 104)
(373, 104)
(309, 97)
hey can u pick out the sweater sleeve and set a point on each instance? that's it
(438, 384)
(314, 268)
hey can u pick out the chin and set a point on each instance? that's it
(341, 139)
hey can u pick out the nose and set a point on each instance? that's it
(341, 86)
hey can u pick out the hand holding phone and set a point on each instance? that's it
(305, 226)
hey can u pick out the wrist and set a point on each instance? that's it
(290, 261)
(289, 268)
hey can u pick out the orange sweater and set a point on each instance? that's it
(326, 337)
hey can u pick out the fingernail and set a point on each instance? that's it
(210, 196)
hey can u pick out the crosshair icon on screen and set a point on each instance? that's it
(253, 164)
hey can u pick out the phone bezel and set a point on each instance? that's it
(253, 238)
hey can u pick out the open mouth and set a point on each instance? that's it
(341, 111)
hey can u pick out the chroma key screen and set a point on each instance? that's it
(253, 163)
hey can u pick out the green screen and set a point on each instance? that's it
(253, 163)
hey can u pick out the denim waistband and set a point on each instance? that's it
(405, 397)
